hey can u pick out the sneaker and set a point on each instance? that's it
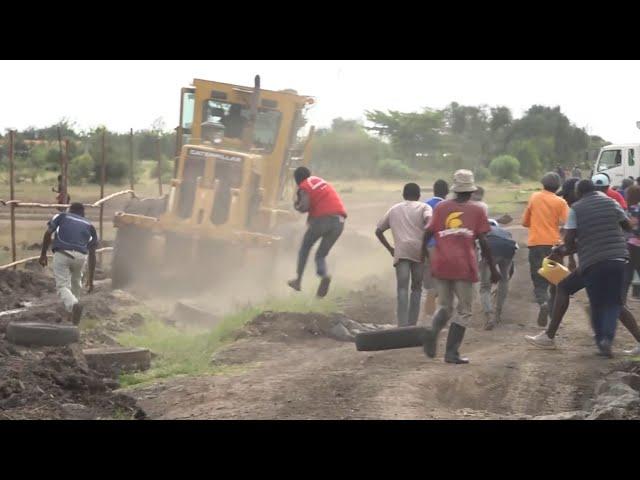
(633, 351)
(488, 322)
(295, 284)
(541, 340)
(76, 313)
(323, 288)
(604, 349)
(542, 315)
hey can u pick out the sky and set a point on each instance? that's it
(601, 96)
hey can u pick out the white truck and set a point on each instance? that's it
(619, 162)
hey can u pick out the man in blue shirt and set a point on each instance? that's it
(75, 240)
(440, 192)
(503, 249)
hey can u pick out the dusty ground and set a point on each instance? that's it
(290, 373)
(288, 369)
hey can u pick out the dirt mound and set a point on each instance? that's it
(19, 286)
(289, 327)
(369, 305)
(55, 383)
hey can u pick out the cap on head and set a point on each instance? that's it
(600, 180)
(463, 182)
(300, 174)
(551, 181)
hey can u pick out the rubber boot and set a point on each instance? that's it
(431, 337)
(454, 340)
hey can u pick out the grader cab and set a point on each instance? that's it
(232, 187)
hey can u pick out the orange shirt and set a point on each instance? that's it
(545, 213)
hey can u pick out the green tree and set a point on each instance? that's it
(347, 150)
(409, 134)
(527, 154)
(505, 167)
(82, 169)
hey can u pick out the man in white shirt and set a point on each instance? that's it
(408, 221)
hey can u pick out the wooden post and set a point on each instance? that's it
(12, 193)
(159, 165)
(178, 147)
(103, 176)
(65, 172)
(131, 159)
(60, 147)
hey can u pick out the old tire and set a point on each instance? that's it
(401, 337)
(42, 334)
(119, 359)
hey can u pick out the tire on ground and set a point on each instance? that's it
(121, 359)
(401, 337)
(41, 334)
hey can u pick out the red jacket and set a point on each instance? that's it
(611, 193)
(323, 198)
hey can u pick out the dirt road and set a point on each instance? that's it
(286, 374)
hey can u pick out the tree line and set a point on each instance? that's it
(37, 151)
(482, 138)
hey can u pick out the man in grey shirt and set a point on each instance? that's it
(408, 221)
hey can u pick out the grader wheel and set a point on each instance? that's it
(131, 247)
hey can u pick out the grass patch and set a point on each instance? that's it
(188, 351)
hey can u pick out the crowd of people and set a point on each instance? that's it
(446, 244)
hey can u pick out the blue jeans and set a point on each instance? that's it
(328, 229)
(604, 283)
(407, 272)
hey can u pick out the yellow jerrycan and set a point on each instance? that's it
(553, 272)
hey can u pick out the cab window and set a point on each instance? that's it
(610, 159)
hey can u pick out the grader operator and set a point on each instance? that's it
(237, 149)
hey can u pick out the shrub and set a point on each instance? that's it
(481, 173)
(505, 167)
(81, 169)
(392, 168)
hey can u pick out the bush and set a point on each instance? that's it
(527, 154)
(392, 168)
(346, 150)
(81, 169)
(481, 173)
(167, 170)
(505, 167)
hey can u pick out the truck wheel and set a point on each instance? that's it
(401, 337)
(41, 334)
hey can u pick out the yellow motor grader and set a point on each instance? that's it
(232, 188)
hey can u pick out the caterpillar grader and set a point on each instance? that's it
(232, 188)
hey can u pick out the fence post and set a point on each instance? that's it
(65, 172)
(131, 158)
(159, 165)
(61, 154)
(103, 175)
(12, 193)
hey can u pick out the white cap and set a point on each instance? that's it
(600, 180)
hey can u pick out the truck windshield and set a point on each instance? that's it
(234, 117)
(609, 159)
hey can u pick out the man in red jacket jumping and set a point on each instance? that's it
(326, 221)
